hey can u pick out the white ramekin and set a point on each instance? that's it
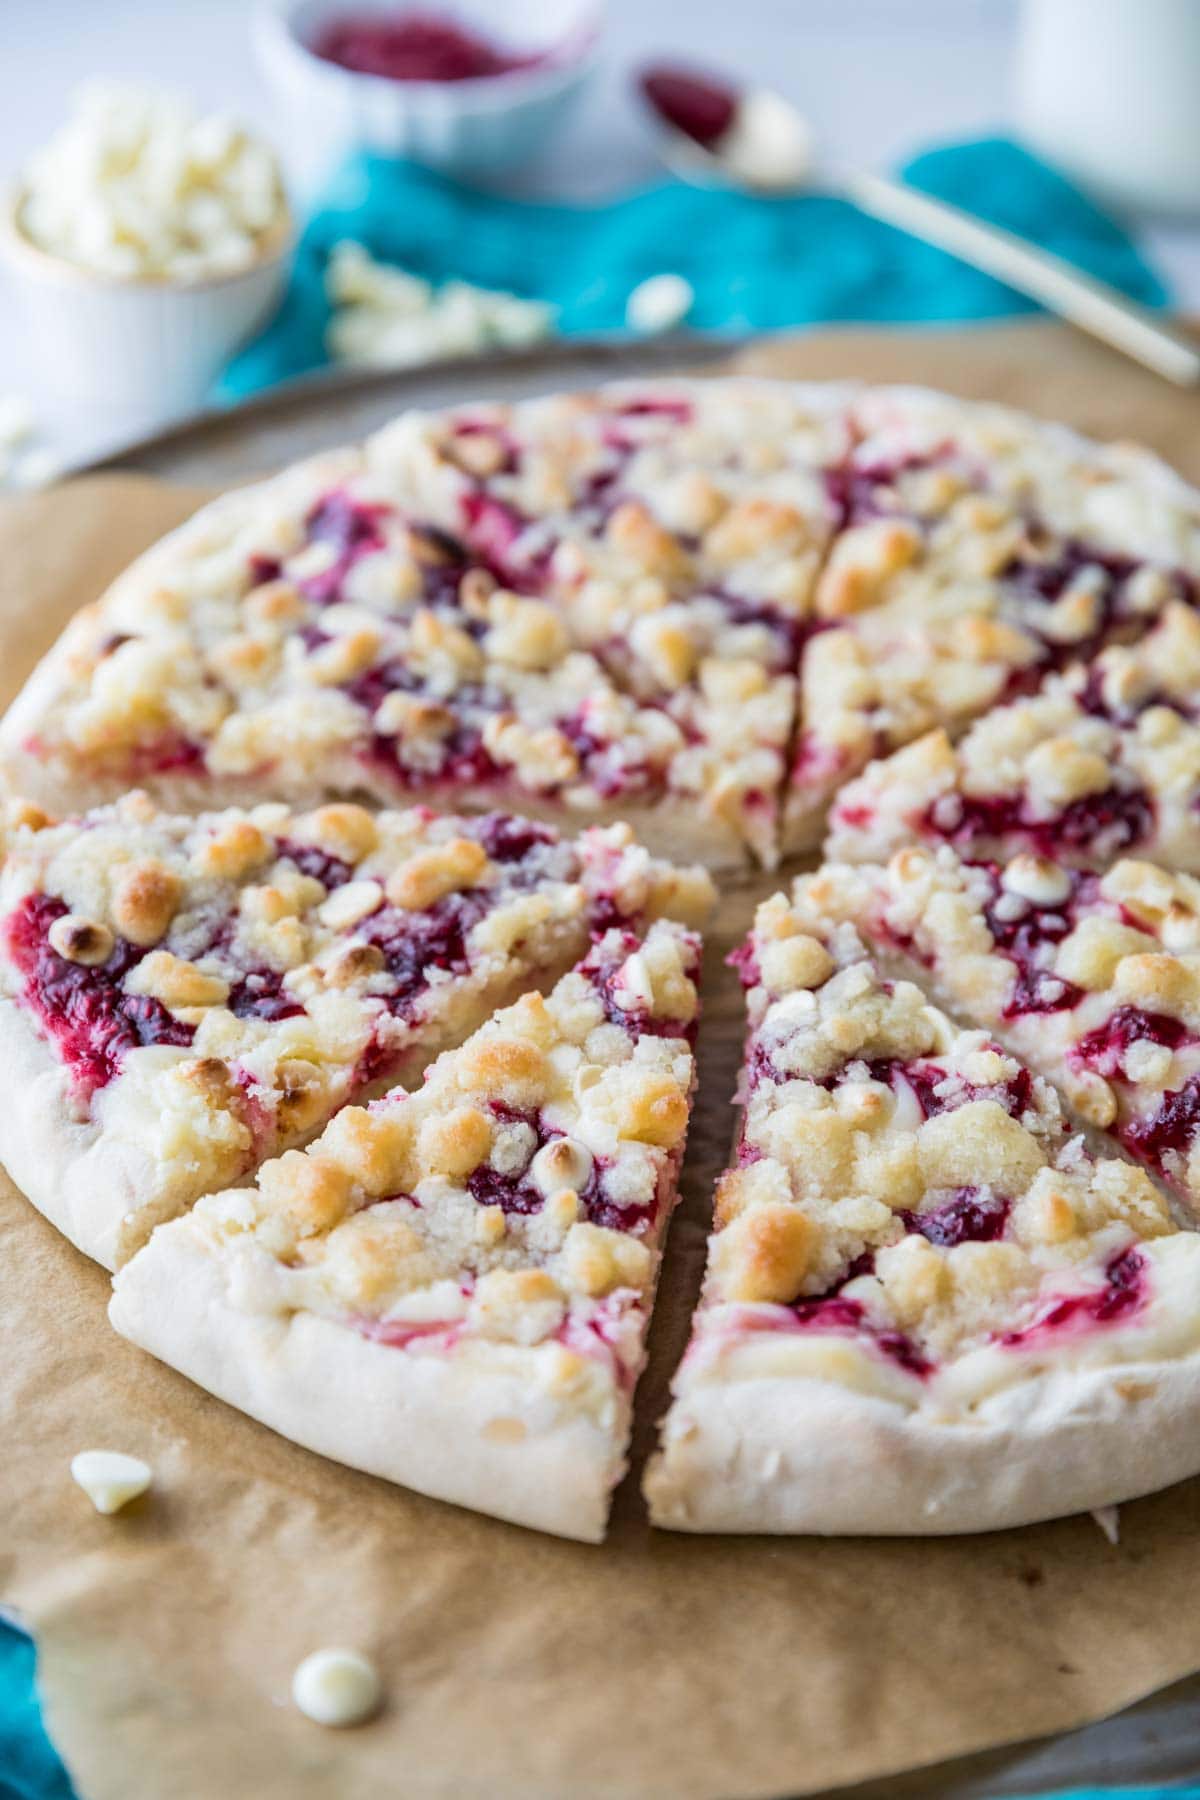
(462, 127)
(148, 350)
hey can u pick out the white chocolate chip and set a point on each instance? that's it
(109, 1478)
(80, 940)
(562, 1163)
(633, 986)
(336, 1687)
(659, 303)
(137, 184)
(347, 905)
(1036, 878)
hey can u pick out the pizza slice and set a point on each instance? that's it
(1094, 978)
(977, 552)
(307, 639)
(181, 998)
(451, 1288)
(927, 1308)
(376, 622)
(1105, 760)
(679, 527)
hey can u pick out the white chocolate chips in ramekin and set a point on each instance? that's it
(138, 184)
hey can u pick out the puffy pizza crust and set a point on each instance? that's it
(103, 1191)
(482, 1437)
(84, 1184)
(793, 1455)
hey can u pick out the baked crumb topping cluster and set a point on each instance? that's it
(516, 1200)
(908, 1212)
(976, 555)
(217, 986)
(1094, 978)
(651, 601)
(1104, 760)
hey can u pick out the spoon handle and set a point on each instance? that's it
(1092, 305)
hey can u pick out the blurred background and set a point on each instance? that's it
(878, 82)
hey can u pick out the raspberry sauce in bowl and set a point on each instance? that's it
(456, 85)
(411, 45)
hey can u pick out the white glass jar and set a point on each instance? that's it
(1110, 91)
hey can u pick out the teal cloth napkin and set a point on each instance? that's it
(755, 264)
(29, 1764)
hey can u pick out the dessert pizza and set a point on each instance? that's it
(689, 615)
(928, 1308)
(451, 1288)
(1103, 761)
(1095, 978)
(182, 997)
(976, 551)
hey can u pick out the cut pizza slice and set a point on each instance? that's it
(1105, 760)
(182, 997)
(362, 623)
(307, 639)
(1095, 979)
(928, 1308)
(679, 528)
(451, 1288)
(978, 551)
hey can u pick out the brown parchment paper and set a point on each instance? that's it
(515, 1664)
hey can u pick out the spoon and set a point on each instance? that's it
(755, 140)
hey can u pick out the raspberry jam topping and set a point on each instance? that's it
(465, 763)
(259, 995)
(632, 1014)
(1102, 825)
(938, 1091)
(1090, 697)
(330, 871)
(1078, 564)
(1123, 1293)
(699, 107)
(1171, 1130)
(351, 529)
(92, 1022)
(494, 530)
(519, 1193)
(512, 1193)
(166, 755)
(745, 960)
(412, 46)
(1024, 937)
(971, 1216)
(672, 407)
(416, 943)
(1104, 1048)
(860, 491)
(834, 1312)
(507, 839)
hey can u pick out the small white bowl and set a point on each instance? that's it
(145, 349)
(461, 127)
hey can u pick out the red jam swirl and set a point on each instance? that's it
(85, 1012)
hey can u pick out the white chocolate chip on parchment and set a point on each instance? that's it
(109, 1478)
(336, 1687)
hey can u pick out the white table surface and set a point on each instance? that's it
(878, 78)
